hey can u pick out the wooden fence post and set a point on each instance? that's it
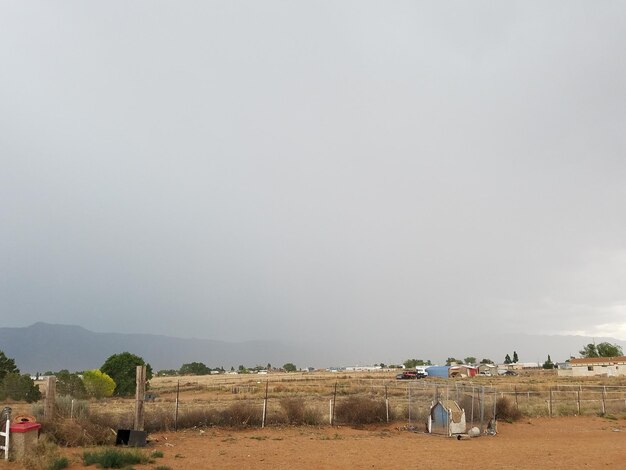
(550, 405)
(140, 393)
(48, 407)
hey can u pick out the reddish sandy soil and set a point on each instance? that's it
(557, 443)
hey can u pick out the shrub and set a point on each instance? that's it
(241, 414)
(297, 412)
(44, 455)
(59, 463)
(114, 458)
(197, 417)
(64, 407)
(507, 410)
(360, 410)
(75, 433)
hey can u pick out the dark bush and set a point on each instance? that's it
(506, 410)
(360, 410)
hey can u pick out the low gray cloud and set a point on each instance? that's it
(339, 171)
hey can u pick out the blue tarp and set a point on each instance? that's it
(438, 371)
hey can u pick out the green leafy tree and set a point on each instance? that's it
(470, 360)
(122, 368)
(515, 358)
(98, 384)
(194, 368)
(548, 364)
(7, 366)
(289, 367)
(507, 359)
(486, 361)
(601, 350)
(452, 360)
(609, 350)
(19, 387)
(413, 363)
(69, 384)
(589, 351)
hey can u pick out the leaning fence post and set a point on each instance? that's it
(265, 405)
(386, 403)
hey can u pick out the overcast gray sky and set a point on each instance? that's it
(243, 170)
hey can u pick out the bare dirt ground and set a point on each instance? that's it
(555, 443)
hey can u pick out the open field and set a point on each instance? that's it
(536, 441)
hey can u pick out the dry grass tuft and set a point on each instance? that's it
(297, 412)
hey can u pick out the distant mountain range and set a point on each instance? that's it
(42, 347)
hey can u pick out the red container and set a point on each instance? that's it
(24, 427)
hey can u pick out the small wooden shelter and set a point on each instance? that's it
(447, 418)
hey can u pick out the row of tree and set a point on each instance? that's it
(200, 368)
(117, 376)
(591, 350)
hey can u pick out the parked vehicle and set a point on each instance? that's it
(411, 374)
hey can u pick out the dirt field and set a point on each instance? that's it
(557, 443)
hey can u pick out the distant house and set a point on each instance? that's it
(590, 366)
(446, 417)
(519, 366)
(490, 369)
(463, 371)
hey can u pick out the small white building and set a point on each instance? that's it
(592, 366)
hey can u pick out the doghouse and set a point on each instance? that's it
(446, 417)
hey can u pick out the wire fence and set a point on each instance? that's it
(268, 401)
(568, 400)
(334, 402)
